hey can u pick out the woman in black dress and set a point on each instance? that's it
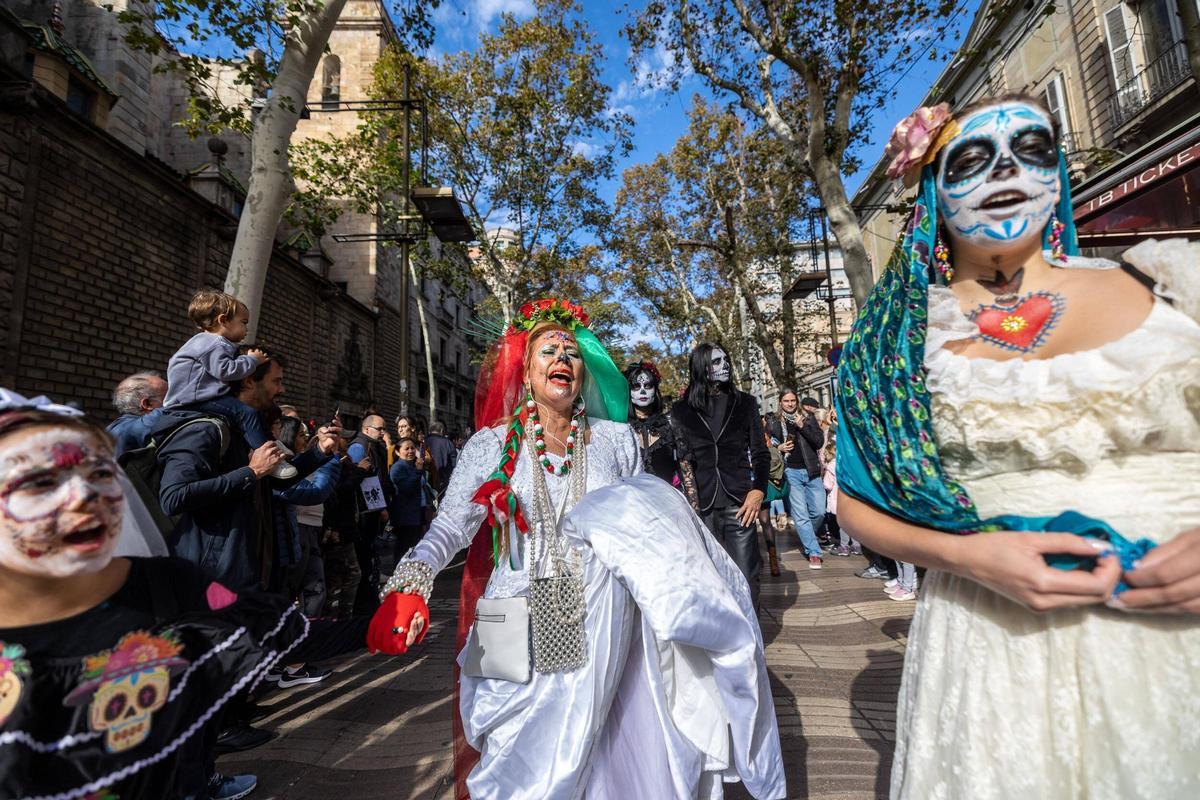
(662, 454)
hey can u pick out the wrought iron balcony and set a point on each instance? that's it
(1161, 76)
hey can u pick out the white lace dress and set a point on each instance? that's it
(675, 698)
(1000, 702)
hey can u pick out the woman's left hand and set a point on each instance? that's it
(1167, 579)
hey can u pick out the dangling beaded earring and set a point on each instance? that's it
(1056, 246)
(941, 258)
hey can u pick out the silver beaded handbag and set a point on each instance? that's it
(557, 611)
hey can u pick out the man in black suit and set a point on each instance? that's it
(723, 433)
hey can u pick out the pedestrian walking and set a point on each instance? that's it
(801, 438)
(724, 436)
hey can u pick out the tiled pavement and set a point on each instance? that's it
(380, 728)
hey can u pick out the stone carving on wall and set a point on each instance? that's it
(352, 382)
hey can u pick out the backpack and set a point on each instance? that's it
(144, 471)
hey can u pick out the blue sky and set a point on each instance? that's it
(659, 113)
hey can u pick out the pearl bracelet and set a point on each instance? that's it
(411, 577)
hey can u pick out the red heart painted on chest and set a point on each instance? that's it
(1023, 326)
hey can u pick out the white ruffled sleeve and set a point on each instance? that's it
(1174, 264)
(459, 518)
(947, 323)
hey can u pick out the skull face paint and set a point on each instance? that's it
(998, 182)
(555, 370)
(642, 390)
(718, 366)
(60, 502)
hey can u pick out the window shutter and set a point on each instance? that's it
(1119, 52)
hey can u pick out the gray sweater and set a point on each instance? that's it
(203, 368)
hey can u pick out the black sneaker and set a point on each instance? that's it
(241, 737)
(302, 676)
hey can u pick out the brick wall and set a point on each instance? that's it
(102, 248)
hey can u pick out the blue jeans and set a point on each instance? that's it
(806, 496)
(244, 419)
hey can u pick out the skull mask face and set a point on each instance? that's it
(998, 182)
(642, 390)
(122, 708)
(718, 366)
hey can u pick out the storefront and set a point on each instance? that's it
(1151, 193)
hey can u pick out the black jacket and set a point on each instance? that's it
(225, 511)
(730, 453)
(377, 454)
(809, 439)
(445, 458)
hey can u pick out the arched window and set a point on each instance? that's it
(331, 83)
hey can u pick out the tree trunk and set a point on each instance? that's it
(845, 226)
(758, 321)
(429, 373)
(271, 184)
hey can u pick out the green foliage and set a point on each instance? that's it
(674, 254)
(803, 66)
(520, 126)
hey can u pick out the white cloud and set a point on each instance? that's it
(586, 149)
(484, 11)
(656, 68)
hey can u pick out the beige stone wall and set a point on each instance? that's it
(92, 27)
(370, 270)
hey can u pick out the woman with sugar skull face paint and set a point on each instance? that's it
(583, 575)
(662, 453)
(999, 385)
(110, 667)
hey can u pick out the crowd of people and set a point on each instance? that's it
(276, 515)
(608, 634)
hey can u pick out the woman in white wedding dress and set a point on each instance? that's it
(997, 383)
(643, 675)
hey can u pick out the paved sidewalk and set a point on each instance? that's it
(380, 727)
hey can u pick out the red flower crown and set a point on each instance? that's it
(549, 309)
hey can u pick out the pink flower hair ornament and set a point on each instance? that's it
(917, 139)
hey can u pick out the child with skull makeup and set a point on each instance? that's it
(113, 671)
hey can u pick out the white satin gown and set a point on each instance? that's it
(674, 699)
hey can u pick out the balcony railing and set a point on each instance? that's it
(1162, 75)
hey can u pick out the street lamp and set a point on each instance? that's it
(437, 208)
(440, 209)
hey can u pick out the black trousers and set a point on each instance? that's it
(740, 542)
(366, 599)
